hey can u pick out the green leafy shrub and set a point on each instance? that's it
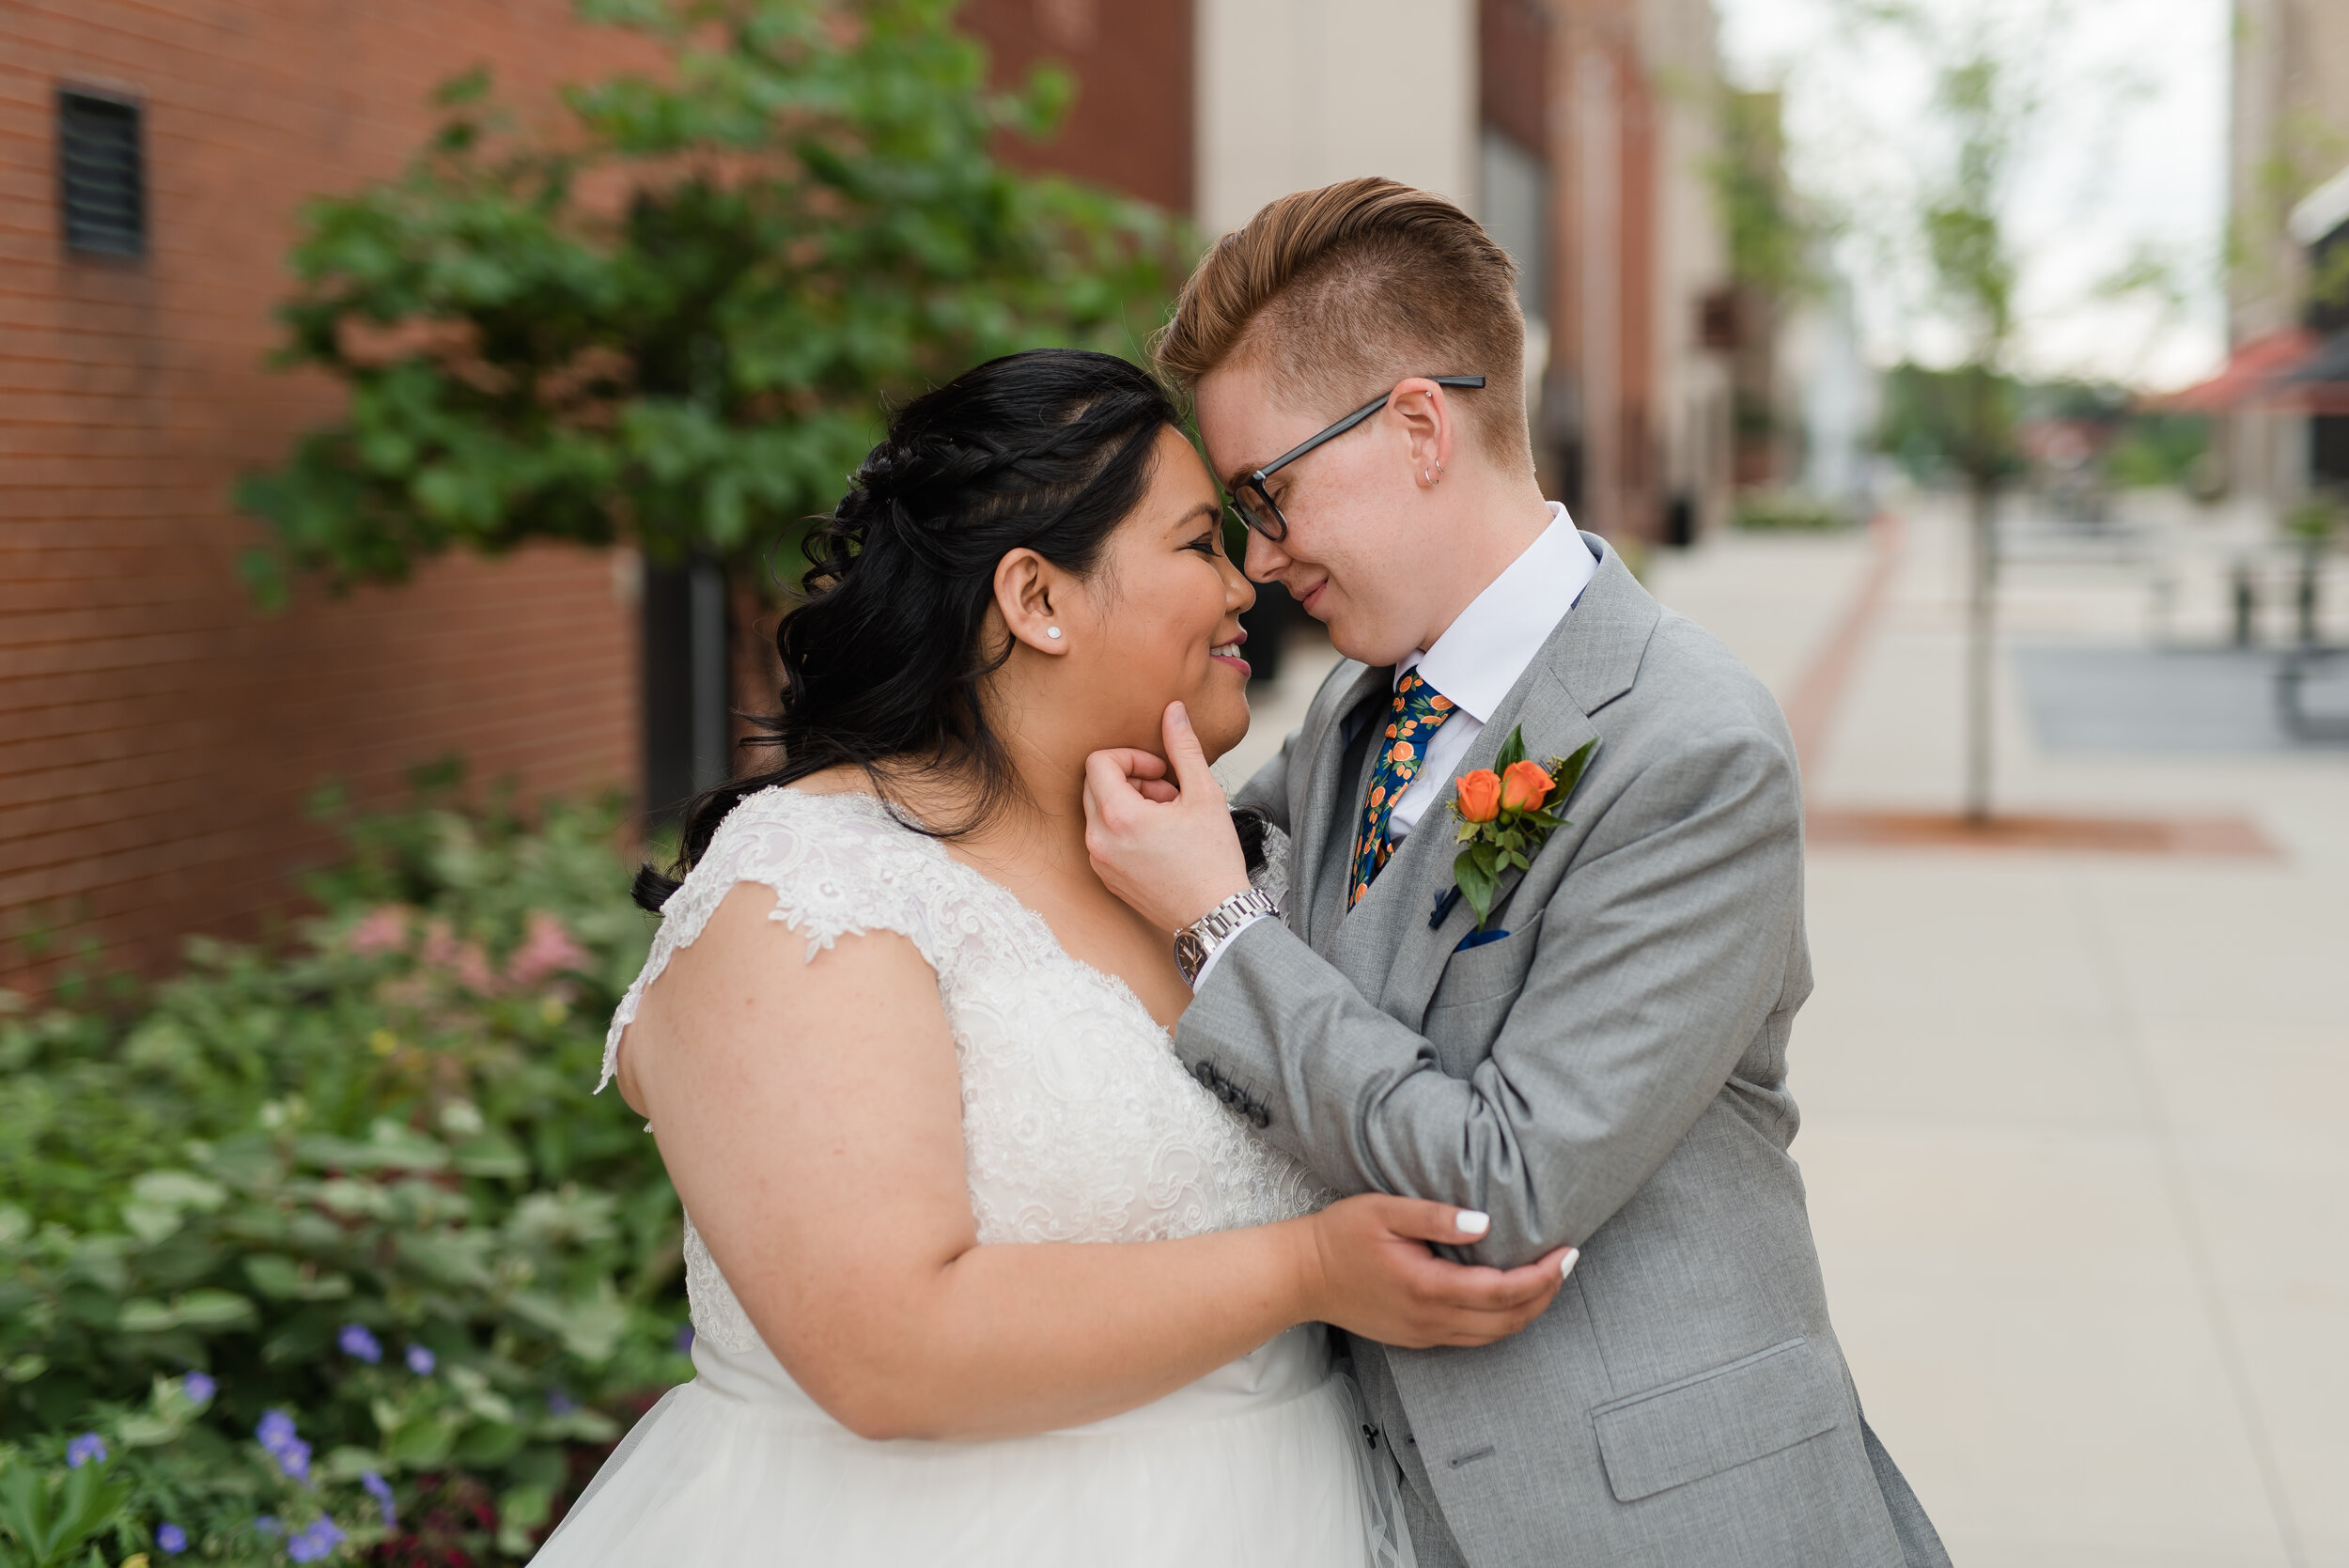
(1789, 511)
(363, 1181)
(159, 1482)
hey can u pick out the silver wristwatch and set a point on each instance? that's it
(1196, 942)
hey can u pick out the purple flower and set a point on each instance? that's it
(294, 1459)
(381, 1491)
(685, 1339)
(420, 1360)
(198, 1387)
(360, 1345)
(171, 1538)
(560, 1403)
(275, 1430)
(80, 1452)
(314, 1539)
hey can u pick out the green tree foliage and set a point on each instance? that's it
(1964, 227)
(1928, 422)
(2159, 449)
(673, 318)
(1770, 236)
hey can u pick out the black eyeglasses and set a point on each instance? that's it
(1254, 504)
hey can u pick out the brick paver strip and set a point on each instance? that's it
(1911, 829)
(1812, 706)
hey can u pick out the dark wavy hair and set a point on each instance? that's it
(1048, 450)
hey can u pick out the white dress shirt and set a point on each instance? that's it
(1476, 662)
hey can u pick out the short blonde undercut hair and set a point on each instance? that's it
(1342, 291)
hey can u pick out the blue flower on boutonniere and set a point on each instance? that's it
(1506, 814)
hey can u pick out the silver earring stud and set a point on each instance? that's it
(1053, 632)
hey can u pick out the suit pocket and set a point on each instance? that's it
(1702, 1426)
(1488, 969)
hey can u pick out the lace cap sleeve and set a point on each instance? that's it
(838, 865)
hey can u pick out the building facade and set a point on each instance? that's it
(2288, 277)
(161, 735)
(1581, 133)
(1637, 408)
(158, 735)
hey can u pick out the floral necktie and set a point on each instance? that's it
(1419, 710)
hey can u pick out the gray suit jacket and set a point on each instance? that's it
(1611, 1074)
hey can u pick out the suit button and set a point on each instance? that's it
(1204, 1072)
(1261, 1117)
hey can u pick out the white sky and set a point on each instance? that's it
(2130, 154)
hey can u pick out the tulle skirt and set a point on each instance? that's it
(1261, 1464)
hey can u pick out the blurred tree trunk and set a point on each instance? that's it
(1973, 266)
(1981, 635)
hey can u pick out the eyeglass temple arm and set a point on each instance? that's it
(1347, 423)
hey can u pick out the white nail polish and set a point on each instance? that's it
(1565, 1264)
(1471, 1222)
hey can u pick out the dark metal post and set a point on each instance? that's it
(2312, 561)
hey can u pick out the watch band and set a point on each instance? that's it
(1194, 943)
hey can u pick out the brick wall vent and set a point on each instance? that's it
(102, 178)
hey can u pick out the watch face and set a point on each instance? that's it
(1189, 953)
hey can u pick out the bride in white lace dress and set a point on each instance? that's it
(900, 1050)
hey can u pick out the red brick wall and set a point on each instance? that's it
(1512, 70)
(1131, 126)
(157, 735)
(1640, 511)
(1620, 495)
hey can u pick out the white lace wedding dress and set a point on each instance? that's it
(1080, 1126)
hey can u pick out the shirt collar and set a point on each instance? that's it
(1482, 654)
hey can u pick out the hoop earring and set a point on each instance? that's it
(1053, 632)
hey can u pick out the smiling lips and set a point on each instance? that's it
(1229, 654)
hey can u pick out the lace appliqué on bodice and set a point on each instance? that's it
(1079, 1122)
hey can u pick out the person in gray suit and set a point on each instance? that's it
(1602, 1061)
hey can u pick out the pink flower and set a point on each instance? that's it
(464, 961)
(381, 929)
(547, 950)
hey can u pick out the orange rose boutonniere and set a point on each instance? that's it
(1479, 796)
(1505, 816)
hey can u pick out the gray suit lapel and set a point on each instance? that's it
(1385, 943)
(1327, 806)
(1554, 727)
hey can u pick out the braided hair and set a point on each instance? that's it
(1048, 450)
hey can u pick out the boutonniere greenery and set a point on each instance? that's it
(1506, 813)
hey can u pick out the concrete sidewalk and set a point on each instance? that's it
(2077, 1126)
